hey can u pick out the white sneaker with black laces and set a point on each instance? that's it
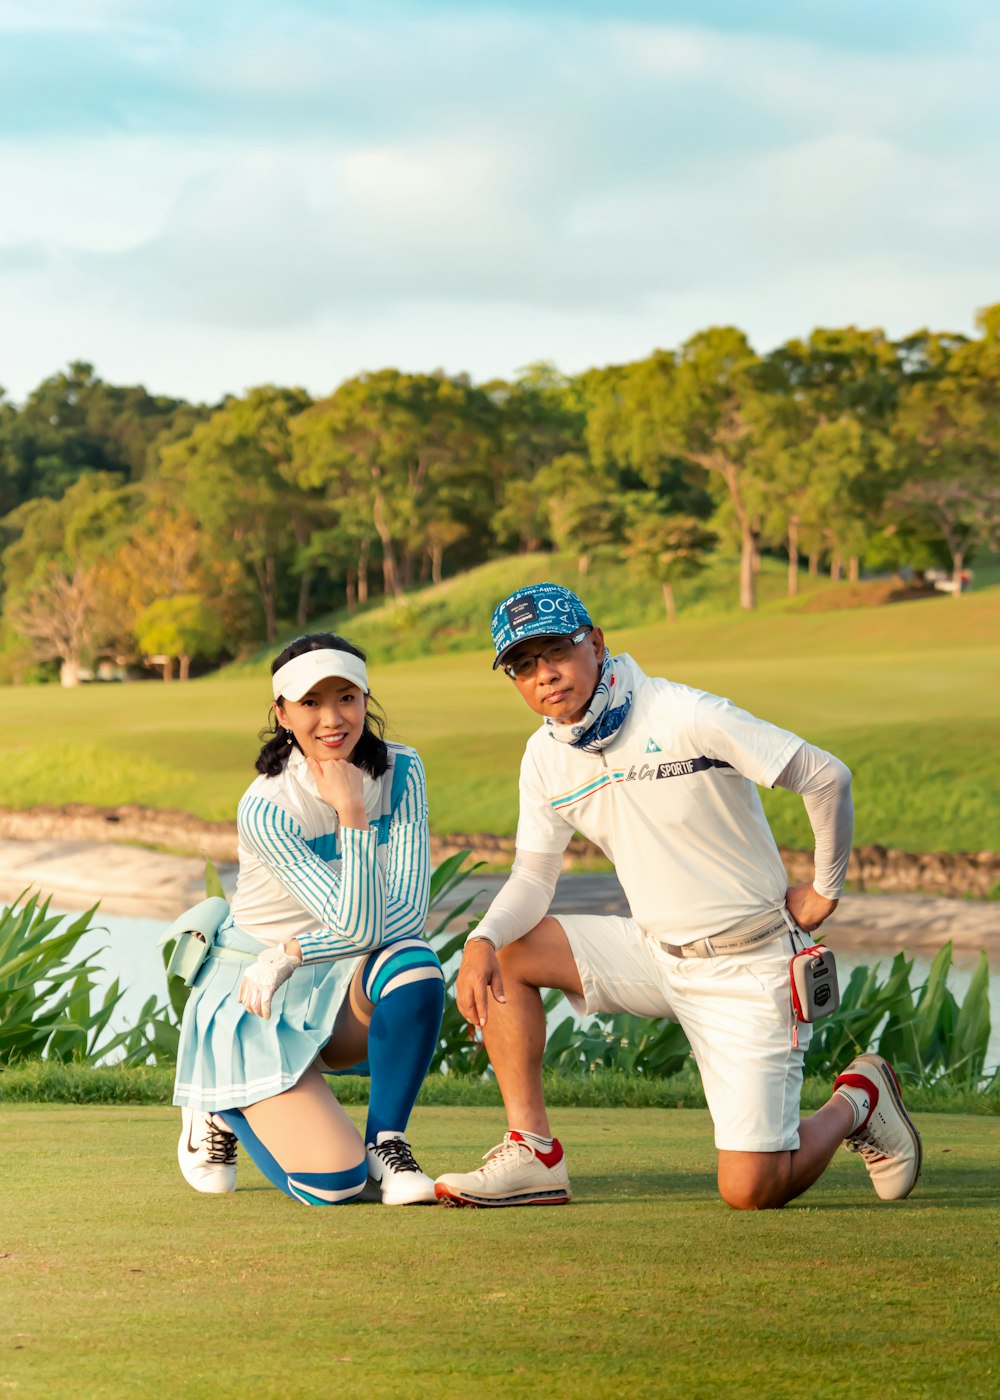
(887, 1140)
(206, 1153)
(515, 1173)
(394, 1175)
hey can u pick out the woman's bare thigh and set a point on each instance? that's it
(305, 1129)
(348, 1045)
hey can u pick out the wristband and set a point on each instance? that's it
(480, 938)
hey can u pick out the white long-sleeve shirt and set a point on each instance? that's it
(340, 891)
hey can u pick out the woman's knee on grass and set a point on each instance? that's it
(331, 1188)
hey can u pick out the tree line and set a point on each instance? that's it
(135, 525)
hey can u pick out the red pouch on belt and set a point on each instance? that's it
(813, 975)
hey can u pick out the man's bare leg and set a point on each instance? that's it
(500, 993)
(514, 1036)
(514, 1033)
(768, 1180)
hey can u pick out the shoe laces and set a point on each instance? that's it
(505, 1153)
(866, 1143)
(396, 1153)
(221, 1144)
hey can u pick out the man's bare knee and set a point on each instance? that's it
(761, 1196)
(754, 1181)
(517, 957)
(542, 958)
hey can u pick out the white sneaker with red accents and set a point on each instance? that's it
(887, 1139)
(516, 1173)
(206, 1153)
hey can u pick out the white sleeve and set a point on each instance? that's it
(734, 738)
(824, 784)
(523, 900)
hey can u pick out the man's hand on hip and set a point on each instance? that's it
(808, 908)
(478, 977)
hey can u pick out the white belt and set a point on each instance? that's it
(752, 935)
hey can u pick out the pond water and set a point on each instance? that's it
(129, 952)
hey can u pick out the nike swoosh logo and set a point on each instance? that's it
(190, 1145)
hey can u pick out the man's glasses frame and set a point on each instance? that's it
(559, 649)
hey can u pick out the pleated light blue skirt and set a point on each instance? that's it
(227, 1057)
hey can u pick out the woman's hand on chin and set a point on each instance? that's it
(341, 786)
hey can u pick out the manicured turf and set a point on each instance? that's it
(116, 1280)
(905, 694)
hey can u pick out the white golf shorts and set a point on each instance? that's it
(735, 1010)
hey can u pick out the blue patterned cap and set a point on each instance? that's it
(540, 610)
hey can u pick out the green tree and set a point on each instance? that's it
(168, 554)
(963, 514)
(409, 453)
(183, 626)
(823, 473)
(86, 521)
(716, 411)
(74, 423)
(541, 416)
(629, 431)
(825, 491)
(948, 433)
(234, 473)
(665, 548)
(838, 371)
(523, 517)
(586, 511)
(52, 568)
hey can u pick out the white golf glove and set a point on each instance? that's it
(263, 978)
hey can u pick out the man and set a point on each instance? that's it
(664, 780)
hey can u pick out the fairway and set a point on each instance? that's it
(116, 1280)
(904, 694)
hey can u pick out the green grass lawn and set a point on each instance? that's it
(117, 1280)
(906, 694)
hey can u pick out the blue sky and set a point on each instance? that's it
(205, 197)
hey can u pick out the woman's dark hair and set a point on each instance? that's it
(370, 753)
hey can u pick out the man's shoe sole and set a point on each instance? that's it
(887, 1077)
(449, 1197)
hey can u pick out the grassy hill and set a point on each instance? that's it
(454, 616)
(905, 694)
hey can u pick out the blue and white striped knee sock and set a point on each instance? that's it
(406, 984)
(311, 1188)
(328, 1188)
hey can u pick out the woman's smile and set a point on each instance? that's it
(328, 721)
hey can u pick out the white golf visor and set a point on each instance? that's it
(298, 676)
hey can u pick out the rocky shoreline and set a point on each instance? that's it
(79, 870)
(136, 883)
(950, 874)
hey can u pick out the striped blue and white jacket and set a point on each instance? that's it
(340, 891)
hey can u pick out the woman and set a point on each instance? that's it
(330, 906)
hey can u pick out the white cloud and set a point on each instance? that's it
(60, 16)
(476, 188)
(96, 195)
